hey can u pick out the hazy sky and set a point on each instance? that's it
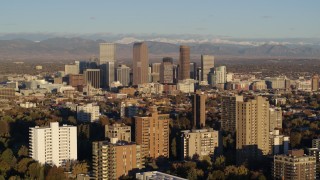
(235, 18)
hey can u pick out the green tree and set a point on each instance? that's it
(8, 157)
(262, 177)
(23, 151)
(72, 120)
(23, 164)
(192, 174)
(34, 170)
(220, 162)
(295, 139)
(80, 168)
(174, 147)
(55, 173)
(216, 175)
(4, 167)
(4, 128)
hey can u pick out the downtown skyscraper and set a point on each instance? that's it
(207, 63)
(107, 53)
(140, 63)
(107, 63)
(166, 70)
(184, 63)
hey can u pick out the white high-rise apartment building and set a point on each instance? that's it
(88, 113)
(53, 145)
(202, 142)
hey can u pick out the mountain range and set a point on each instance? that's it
(75, 48)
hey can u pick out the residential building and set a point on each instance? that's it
(119, 131)
(202, 142)
(295, 165)
(252, 128)
(315, 152)
(88, 113)
(279, 144)
(152, 133)
(199, 109)
(229, 112)
(275, 119)
(54, 145)
(111, 160)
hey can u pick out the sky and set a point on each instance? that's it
(223, 18)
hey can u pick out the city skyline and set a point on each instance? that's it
(251, 19)
(160, 90)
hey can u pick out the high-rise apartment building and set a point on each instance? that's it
(152, 133)
(184, 63)
(229, 112)
(123, 75)
(107, 53)
(252, 128)
(53, 145)
(316, 143)
(199, 109)
(279, 144)
(140, 63)
(315, 152)
(88, 113)
(119, 131)
(203, 142)
(92, 77)
(275, 119)
(207, 63)
(295, 165)
(315, 83)
(166, 71)
(111, 160)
